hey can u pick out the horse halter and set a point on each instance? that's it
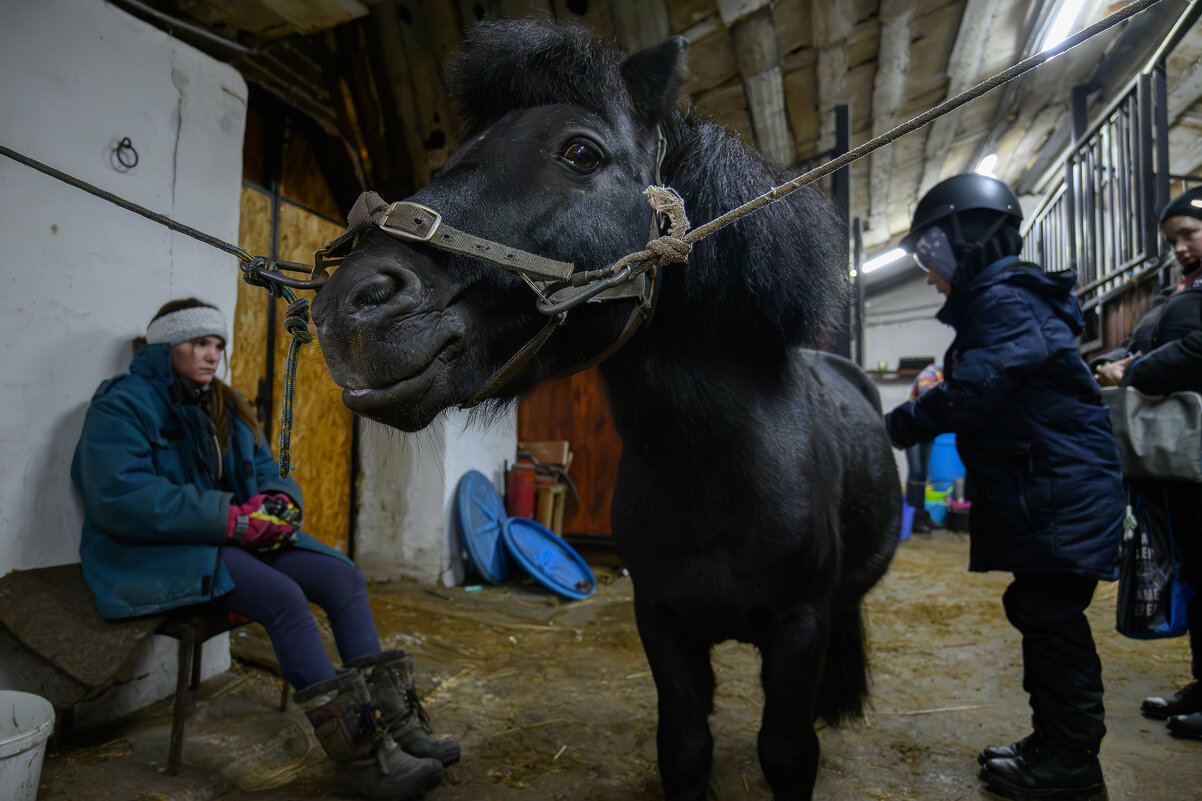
(556, 283)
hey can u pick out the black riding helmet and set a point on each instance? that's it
(969, 211)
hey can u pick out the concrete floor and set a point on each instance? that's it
(552, 700)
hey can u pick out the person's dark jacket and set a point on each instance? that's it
(1030, 425)
(1169, 337)
(154, 523)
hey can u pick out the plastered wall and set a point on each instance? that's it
(80, 277)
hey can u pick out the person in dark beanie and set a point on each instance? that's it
(1036, 442)
(1163, 354)
(184, 505)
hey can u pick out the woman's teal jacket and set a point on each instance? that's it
(154, 524)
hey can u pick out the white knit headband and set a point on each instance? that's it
(187, 324)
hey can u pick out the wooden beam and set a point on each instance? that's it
(758, 55)
(832, 22)
(639, 23)
(310, 16)
(963, 66)
(1186, 90)
(733, 10)
(400, 133)
(888, 93)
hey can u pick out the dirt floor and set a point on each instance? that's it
(552, 699)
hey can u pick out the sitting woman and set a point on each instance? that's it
(184, 505)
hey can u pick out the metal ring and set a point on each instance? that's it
(120, 150)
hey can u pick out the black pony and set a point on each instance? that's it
(756, 497)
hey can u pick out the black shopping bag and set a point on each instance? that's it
(1152, 595)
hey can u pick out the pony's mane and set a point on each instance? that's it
(779, 269)
(508, 64)
(777, 274)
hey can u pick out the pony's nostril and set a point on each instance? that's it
(399, 289)
(374, 292)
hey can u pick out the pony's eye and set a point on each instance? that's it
(581, 155)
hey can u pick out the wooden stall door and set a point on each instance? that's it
(322, 426)
(575, 409)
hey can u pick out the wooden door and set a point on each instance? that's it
(575, 409)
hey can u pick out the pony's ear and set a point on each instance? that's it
(655, 75)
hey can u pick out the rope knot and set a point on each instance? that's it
(296, 320)
(668, 249)
(671, 247)
(252, 274)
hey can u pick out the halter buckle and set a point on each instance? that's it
(412, 221)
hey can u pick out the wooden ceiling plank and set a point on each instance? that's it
(640, 23)
(1186, 91)
(831, 21)
(398, 86)
(963, 66)
(311, 16)
(732, 11)
(758, 54)
(888, 92)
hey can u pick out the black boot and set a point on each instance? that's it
(350, 728)
(1008, 751)
(389, 677)
(1040, 773)
(1185, 701)
(1186, 725)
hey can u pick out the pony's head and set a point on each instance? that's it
(561, 141)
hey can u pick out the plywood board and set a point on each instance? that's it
(322, 426)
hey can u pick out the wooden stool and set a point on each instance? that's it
(192, 626)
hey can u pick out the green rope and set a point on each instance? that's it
(296, 323)
(296, 320)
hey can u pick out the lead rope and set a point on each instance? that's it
(672, 247)
(296, 318)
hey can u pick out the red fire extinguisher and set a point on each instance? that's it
(519, 501)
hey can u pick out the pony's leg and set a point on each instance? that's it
(791, 671)
(684, 682)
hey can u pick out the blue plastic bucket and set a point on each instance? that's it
(945, 465)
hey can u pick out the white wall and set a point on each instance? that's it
(82, 277)
(900, 321)
(405, 520)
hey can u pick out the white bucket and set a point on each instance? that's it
(26, 721)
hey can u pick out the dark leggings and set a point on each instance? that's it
(275, 589)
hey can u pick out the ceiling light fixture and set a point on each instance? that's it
(986, 165)
(888, 257)
(1062, 24)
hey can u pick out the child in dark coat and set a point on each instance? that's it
(1036, 443)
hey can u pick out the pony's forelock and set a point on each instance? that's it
(508, 64)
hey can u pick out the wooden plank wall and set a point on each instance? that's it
(322, 425)
(574, 408)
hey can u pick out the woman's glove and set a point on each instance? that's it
(259, 525)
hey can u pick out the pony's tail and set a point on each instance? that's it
(844, 687)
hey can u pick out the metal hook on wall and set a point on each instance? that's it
(123, 156)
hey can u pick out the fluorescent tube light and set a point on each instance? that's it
(888, 257)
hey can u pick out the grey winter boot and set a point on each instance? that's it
(390, 680)
(350, 728)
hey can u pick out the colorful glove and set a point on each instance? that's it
(280, 505)
(254, 526)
